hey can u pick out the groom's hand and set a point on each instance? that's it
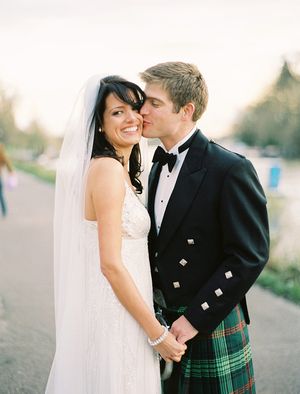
(183, 330)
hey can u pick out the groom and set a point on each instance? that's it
(209, 236)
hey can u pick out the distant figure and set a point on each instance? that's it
(274, 176)
(4, 162)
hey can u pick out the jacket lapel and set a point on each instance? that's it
(187, 185)
(152, 186)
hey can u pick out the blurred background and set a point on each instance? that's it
(249, 54)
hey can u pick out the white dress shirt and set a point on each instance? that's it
(167, 181)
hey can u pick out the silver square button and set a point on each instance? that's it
(204, 306)
(191, 241)
(176, 285)
(183, 262)
(218, 292)
(228, 274)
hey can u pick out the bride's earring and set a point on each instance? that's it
(100, 130)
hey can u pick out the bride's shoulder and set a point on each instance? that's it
(105, 165)
(105, 172)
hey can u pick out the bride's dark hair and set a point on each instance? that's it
(129, 93)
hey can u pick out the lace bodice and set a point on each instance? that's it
(135, 218)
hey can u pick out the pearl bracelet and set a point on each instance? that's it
(159, 339)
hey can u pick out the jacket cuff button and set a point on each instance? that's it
(183, 262)
(218, 292)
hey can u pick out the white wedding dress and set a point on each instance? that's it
(119, 358)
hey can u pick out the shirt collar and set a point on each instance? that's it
(174, 150)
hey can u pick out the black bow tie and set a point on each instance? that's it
(163, 157)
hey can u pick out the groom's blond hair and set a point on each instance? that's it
(182, 81)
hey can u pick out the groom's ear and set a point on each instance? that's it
(188, 111)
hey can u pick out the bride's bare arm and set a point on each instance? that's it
(106, 187)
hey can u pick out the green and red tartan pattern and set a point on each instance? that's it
(219, 363)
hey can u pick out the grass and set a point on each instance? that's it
(36, 170)
(283, 282)
(282, 273)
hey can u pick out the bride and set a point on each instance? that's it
(107, 336)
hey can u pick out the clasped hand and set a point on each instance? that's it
(173, 347)
(170, 349)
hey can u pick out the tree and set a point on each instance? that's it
(275, 119)
(8, 128)
(36, 139)
(33, 139)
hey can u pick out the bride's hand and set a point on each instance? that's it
(170, 349)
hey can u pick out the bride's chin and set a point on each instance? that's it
(134, 140)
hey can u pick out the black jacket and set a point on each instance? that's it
(214, 239)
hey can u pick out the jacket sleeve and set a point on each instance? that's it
(245, 247)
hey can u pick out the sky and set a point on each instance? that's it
(50, 48)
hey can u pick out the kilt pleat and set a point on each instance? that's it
(218, 363)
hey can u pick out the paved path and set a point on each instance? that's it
(275, 338)
(26, 305)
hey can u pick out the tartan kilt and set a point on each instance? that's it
(218, 363)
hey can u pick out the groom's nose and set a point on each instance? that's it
(144, 110)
